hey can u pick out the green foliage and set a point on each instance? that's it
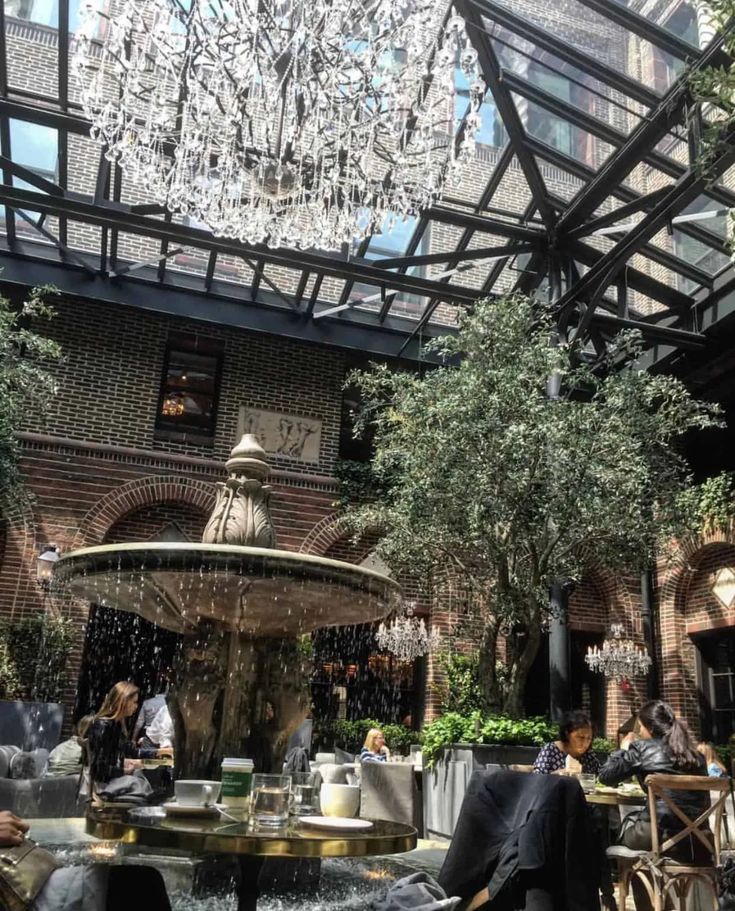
(33, 656)
(358, 483)
(25, 382)
(711, 504)
(603, 745)
(474, 728)
(462, 691)
(488, 479)
(350, 735)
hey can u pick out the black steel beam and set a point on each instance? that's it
(209, 276)
(527, 233)
(637, 280)
(640, 143)
(599, 128)
(430, 259)
(616, 215)
(639, 25)
(490, 66)
(355, 330)
(585, 173)
(83, 209)
(678, 197)
(48, 117)
(679, 338)
(565, 51)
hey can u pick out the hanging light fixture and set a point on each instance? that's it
(619, 658)
(407, 637)
(301, 124)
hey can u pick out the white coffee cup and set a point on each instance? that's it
(339, 799)
(193, 793)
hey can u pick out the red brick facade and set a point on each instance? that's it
(99, 475)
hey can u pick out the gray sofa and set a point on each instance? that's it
(25, 792)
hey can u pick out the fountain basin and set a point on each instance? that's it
(254, 590)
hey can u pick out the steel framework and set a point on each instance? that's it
(598, 248)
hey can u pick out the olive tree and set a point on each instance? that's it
(483, 476)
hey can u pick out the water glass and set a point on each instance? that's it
(270, 799)
(304, 793)
(587, 782)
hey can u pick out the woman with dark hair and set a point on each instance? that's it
(571, 752)
(664, 746)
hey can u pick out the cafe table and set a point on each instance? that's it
(614, 797)
(150, 827)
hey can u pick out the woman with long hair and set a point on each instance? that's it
(112, 752)
(662, 745)
(715, 768)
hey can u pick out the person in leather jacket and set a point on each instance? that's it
(664, 745)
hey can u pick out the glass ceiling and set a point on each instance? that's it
(587, 176)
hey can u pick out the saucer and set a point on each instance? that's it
(177, 809)
(336, 823)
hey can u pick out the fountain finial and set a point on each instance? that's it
(241, 513)
(248, 458)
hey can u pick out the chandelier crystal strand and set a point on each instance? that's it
(280, 121)
(408, 638)
(619, 658)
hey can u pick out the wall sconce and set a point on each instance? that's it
(45, 563)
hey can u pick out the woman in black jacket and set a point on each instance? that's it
(112, 752)
(666, 746)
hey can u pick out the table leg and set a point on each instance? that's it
(250, 867)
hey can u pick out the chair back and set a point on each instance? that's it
(660, 787)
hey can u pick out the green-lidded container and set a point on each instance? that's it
(237, 782)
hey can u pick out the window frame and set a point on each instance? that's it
(164, 428)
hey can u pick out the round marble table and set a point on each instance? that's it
(150, 827)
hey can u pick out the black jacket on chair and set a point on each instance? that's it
(529, 839)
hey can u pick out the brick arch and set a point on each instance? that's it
(136, 494)
(324, 534)
(678, 651)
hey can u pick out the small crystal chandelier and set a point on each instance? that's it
(618, 658)
(301, 124)
(407, 637)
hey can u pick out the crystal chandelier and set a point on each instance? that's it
(619, 658)
(301, 124)
(407, 637)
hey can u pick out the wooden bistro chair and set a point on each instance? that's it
(662, 875)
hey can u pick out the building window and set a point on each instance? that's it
(667, 68)
(46, 12)
(717, 684)
(187, 407)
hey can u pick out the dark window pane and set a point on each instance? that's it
(189, 392)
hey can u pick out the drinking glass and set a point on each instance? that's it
(304, 793)
(587, 782)
(270, 799)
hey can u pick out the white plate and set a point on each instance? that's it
(341, 823)
(176, 809)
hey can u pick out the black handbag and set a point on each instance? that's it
(24, 870)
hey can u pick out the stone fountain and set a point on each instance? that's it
(242, 606)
